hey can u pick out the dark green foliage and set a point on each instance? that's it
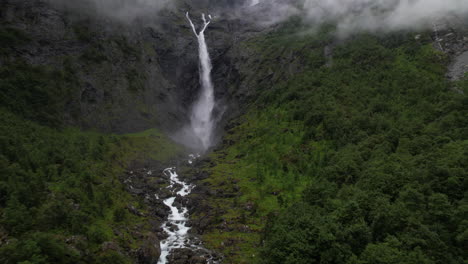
(11, 37)
(57, 186)
(38, 248)
(36, 93)
(83, 32)
(393, 186)
(135, 80)
(94, 54)
(126, 47)
(112, 257)
(363, 160)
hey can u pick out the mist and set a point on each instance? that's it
(353, 16)
(121, 10)
(383, 15)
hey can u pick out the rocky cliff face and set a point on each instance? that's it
(126, 77)
(451, 37)
(119, 86)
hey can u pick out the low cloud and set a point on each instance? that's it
(369, 15)
(122, 10)
(383, 15)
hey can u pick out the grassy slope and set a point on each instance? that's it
(380, 125)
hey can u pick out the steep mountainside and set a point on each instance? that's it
(70, 196)
(330, 150)
(358, 156)
(115, 76)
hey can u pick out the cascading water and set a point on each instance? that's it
(201, 118)
(176, 225)
(201, 127)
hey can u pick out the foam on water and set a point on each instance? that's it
(176, 225)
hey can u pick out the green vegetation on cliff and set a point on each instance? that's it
(61, 198)
(36, 92)
(61, 195)
(361, 161)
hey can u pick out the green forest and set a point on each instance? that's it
(358, 155)
(61, 198)
(363, 161)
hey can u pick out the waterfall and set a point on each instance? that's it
(200, 137)
(201, 118)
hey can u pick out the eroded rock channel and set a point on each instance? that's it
(166, 195)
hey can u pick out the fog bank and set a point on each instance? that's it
(122, 10)
(352, 16)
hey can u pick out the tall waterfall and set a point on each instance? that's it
(201, 118)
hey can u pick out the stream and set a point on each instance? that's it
(202, 125)
(177, 225)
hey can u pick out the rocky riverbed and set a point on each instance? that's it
(150, 181)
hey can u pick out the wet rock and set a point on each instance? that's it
(162, 212)
(177, 205)
(134, 211)
(150, 252)
(187, 256)
(201, 175)
(198, 260)
(161, 181)
(164, 193)
(135, 191)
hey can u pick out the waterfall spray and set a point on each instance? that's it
(201, 118)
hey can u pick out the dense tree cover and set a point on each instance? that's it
(392, 186)
(61, 195)
(363, 161)
(56, 187)
(61, 198)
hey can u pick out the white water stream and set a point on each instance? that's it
(176, 225)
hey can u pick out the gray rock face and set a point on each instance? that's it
(459, 67)
(120, 85)
(127, 78)
(451, 37)
(131, 77)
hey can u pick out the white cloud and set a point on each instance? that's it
(369, 15)
(378, 15)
